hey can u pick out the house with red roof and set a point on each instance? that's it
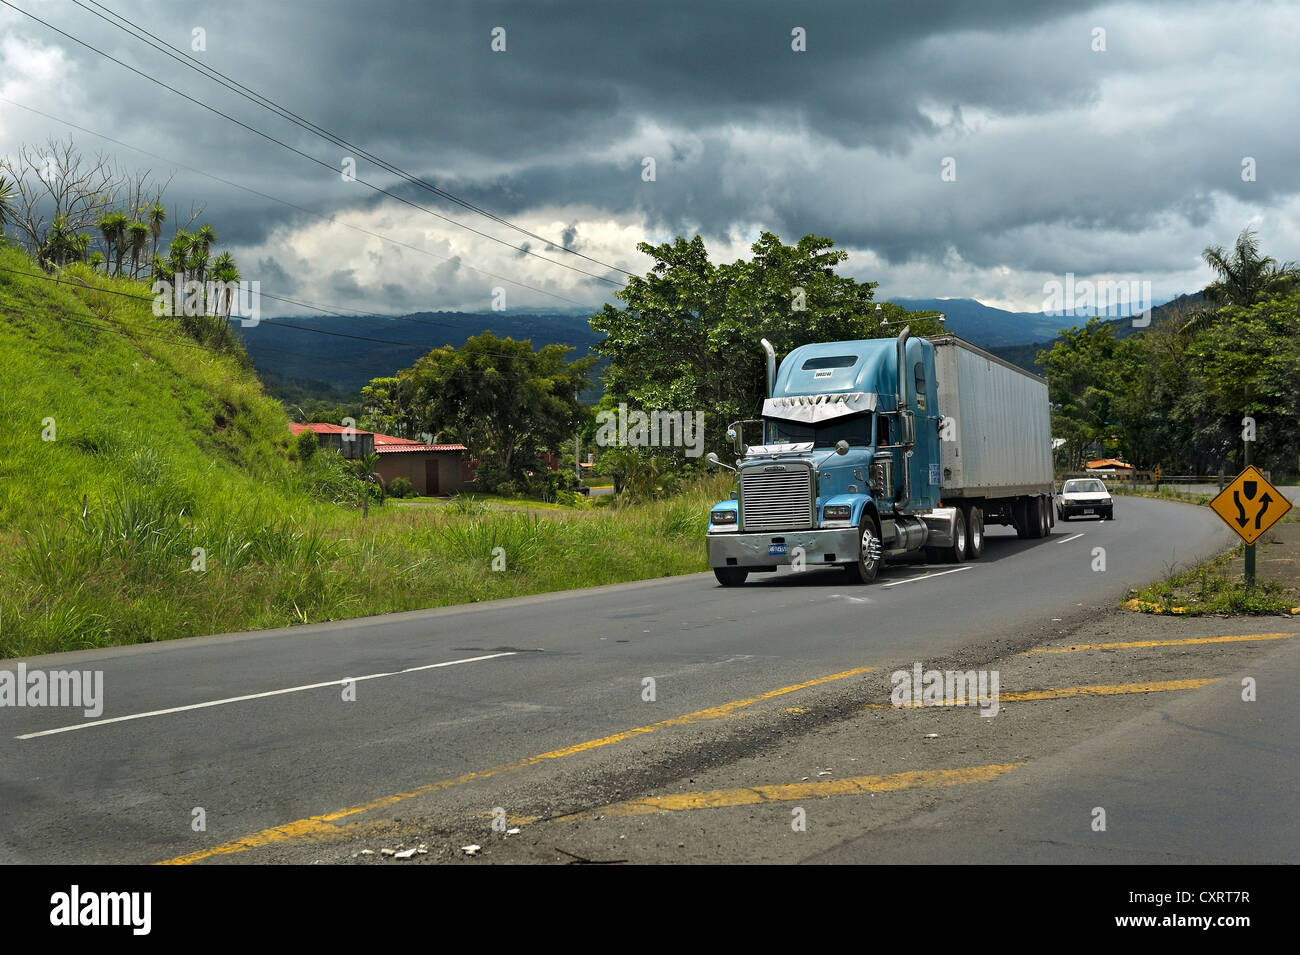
(432, 469)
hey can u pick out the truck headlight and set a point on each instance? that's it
(836, 512)
(722, 517)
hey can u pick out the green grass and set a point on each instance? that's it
(174, 447)
(1204, 589)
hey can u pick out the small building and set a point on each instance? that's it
(349, 442)
(432, 469)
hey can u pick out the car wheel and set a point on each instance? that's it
(974, 533)
(870, 551)
(730, 576)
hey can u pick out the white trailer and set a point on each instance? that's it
(996, 447)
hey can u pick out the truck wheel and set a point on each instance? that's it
(956, 553)
(1020, 517)
(1036, 518)
(730, 576)
(870, 552)
(974, 533)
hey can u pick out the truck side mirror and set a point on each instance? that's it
(906, 428)
(711, 459)
(733, 438)
(841, 447)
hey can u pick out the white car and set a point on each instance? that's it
(1085, 496)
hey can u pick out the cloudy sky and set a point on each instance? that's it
(1061, 156)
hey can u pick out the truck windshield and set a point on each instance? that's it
(855, 429)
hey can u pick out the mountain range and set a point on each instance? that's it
(337, 355)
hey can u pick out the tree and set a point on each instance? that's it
(57, 181)
(366, 470)
(7, 194)
(113, 226)
(138, 237)
(225, 272)
(507, 402)
(688, 338)
(1244, 274)
(1250, 365)
(155, 216)
(178, 253)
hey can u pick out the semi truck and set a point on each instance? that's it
(873, 450)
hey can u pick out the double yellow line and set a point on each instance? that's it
(324, 825)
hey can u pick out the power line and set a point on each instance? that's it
(266, 102)
(212, 109)
(286, 203)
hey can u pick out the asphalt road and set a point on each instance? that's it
(538, 674)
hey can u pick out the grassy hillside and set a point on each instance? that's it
(174, 447)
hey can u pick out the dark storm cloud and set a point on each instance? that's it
(845, 139)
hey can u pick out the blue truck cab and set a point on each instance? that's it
(847, 470)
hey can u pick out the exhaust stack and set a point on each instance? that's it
(903, 336)
(771, 365)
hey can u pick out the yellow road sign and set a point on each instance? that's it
(1250, 505)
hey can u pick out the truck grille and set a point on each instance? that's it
(776, 500)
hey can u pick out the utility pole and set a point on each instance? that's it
(577, 447)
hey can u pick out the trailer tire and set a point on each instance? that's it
(1020, 517)
(1035, 518)
(730, 576)
(974, 532)
(1045, 509)
(865, 571)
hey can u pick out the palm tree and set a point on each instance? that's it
(225, 272)
(113, 226)
(1244, 277)
(83, 246)
(6, 201)
(139, 233)
(205, 238)
(198, 267)
(108, 229)
(95, 260)
(59, 243)
(155, 216)
(158, 268)
(366, 471)
(178, 253)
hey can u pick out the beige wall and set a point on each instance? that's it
(410, 465)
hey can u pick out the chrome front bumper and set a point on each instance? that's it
(836, 546)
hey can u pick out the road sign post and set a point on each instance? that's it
(1250, 506)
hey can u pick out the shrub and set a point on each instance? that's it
(401, 487)
(307, 444)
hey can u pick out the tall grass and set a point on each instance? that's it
(168, 504)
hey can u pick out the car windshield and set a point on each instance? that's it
(855, 429)
(1083, 487)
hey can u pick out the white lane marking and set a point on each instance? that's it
(1068, 539)
(258, 696)
(912, 580)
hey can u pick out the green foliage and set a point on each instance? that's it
(506, 402)
(306, 444)
(688, 337)
(401, 487)
(1174, 395)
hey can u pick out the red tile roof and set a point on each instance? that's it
(321, 428)
(397, 448)
(384, 443)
